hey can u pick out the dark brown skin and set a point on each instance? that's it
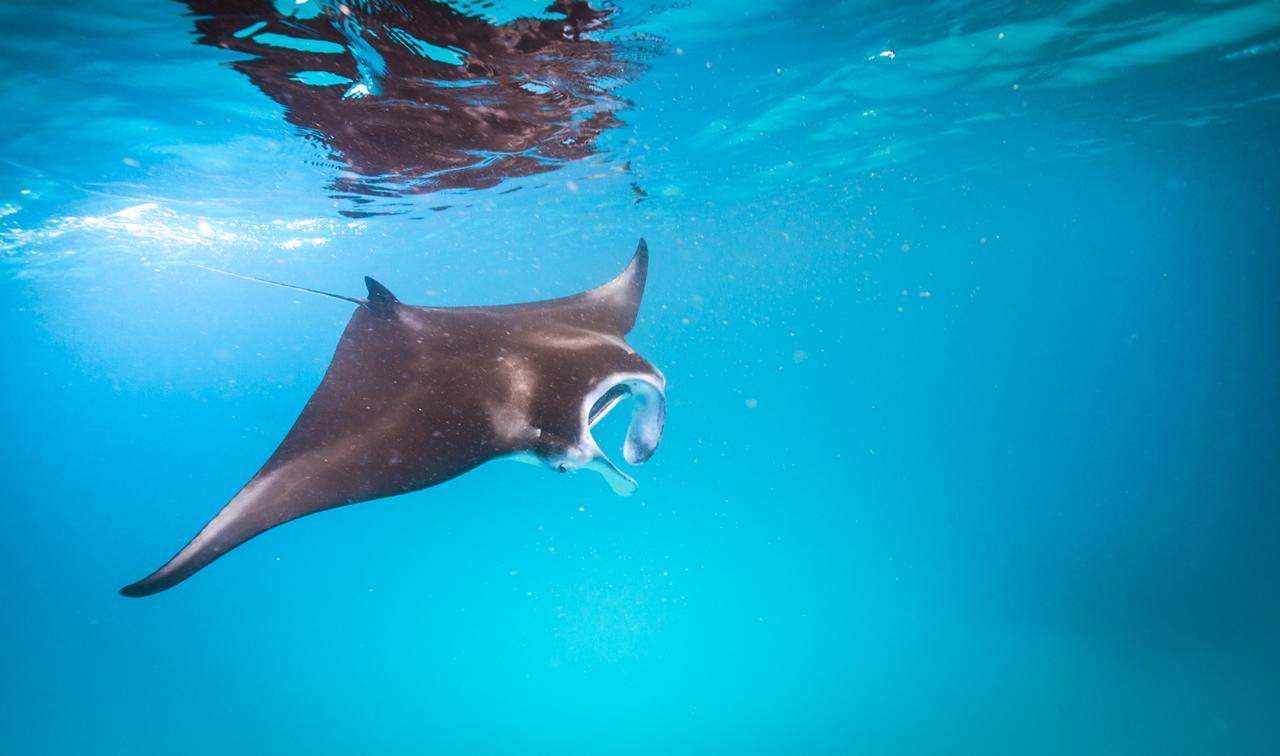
(415, 396)
(417, 130)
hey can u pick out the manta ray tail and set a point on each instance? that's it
(379, 302)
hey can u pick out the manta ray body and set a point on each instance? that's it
(415, 396)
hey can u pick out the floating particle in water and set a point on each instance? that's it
(752, 403)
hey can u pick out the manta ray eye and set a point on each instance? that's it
(561, 468)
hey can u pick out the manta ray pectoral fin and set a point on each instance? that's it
(241, 519)
(610, 307)
(268, 500)
(210, 543)
(622, 295)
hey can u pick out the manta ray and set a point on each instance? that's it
(415, 396)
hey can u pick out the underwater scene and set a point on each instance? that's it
(640, 377)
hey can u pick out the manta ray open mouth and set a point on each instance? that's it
(648, 413)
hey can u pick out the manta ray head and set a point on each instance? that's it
(578, 450)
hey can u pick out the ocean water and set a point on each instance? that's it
(968, 314)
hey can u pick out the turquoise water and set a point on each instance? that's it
(967, 312)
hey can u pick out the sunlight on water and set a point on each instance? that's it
(156, 235)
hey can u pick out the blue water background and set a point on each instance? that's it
(972, 367)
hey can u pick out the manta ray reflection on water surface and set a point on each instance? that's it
(413, 97)
(415, 396)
